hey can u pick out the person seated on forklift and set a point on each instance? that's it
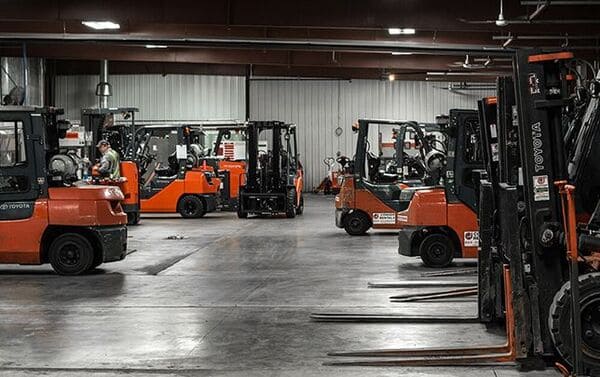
(109, 163)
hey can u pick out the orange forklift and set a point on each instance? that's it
(173, 176)
(117, 126)
(73, 227)
(440, 223)
(370, 195)
(226, 154)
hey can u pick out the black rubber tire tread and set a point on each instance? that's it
(559, 321)
(86, 254)
(290, 207)
(300, 208)
(436, 239)
(357, 223)
(199, 207)
(133, 218)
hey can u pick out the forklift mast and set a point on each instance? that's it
(278, 164)
(102, 124)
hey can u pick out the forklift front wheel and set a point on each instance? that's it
(300, 209)
(356, 223)
(133, 218)
(71, 254)
(290, 212)
(191, 206)
(437, 250)
(560, 323)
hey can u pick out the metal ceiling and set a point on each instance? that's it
(331, 38)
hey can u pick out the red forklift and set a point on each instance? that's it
(45, 217)
(371, 191)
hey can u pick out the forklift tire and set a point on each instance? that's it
(300, 209)
(290, 208)
(437, 250)
(191, 206)
(357, 223)
(241, 214)
(133, 218)
(559, 322)
(71, 254)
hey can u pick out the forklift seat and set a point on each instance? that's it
(388, 193)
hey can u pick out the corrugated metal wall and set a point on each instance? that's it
(318, 107)
(171, 97)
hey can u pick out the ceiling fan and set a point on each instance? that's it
(500, 21)
(479, 63)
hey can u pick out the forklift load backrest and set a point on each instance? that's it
(464, 139)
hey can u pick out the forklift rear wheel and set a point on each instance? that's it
(191, 206)
(300, 209)
(71, 254)
(133, 218)
(437, 250)
(357, 223)
(559, 322)
(290, 211)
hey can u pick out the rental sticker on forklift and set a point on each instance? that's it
(541, 188)
(384, 218)
(471, 238)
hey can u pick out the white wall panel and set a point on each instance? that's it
(170, 97)
(318, 107)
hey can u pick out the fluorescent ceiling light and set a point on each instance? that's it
(399, 31)
(401, 53)
(391, 77)
(156, 46)
(436, 73)
(101, 25)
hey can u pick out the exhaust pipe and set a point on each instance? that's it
(103, 89)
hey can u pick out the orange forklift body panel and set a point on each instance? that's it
(82, 206)
(195, 183)
(429, 208)
(237, 175)
(351, 198)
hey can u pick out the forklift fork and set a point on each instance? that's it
(494, 354)
(423, 284)
(453, 293)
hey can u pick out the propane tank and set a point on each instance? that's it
(63, 168)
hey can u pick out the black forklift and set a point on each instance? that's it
(274, 176)
(539, 222)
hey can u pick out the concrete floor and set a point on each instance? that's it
(229, 297)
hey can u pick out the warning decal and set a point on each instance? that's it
(541, 188)
(402, 218)
(384, 218)
(471, 239)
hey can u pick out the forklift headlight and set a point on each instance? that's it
(406, 195)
